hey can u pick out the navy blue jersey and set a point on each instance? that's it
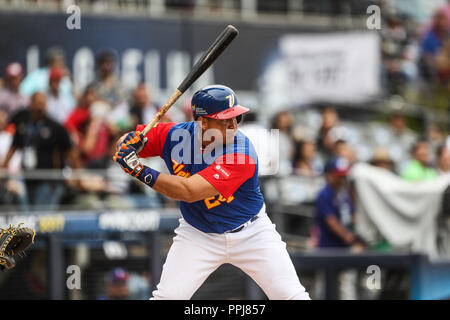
(232, 169)
(338, 204)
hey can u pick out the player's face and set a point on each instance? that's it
(38, 105)
(337, 181)
(226, 127)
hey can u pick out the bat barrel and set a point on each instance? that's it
(207, 59)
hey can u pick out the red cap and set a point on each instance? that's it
(13, 69)
(56, 73)
(338, 166)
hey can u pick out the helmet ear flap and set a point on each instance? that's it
(239, 118)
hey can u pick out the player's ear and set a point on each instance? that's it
(204, 123)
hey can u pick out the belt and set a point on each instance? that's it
(244, 225)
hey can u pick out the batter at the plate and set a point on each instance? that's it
(214, 174)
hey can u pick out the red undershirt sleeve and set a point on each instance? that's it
(156, 139)
(227, 173)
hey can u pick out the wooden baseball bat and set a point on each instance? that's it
(207, 59)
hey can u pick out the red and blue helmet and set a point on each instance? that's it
(217, 102)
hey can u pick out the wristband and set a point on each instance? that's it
(148, 176)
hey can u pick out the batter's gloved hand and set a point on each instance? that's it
(129, 161)
(136, 140)
(14, 241)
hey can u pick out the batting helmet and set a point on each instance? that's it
(217, 102)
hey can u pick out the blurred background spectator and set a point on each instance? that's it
(45, 145)
(38, 80)
(419, 168)
(432, 42)
(58, 106)
(443, 161)
(117, 285)
(382, 159)
(325, 141)
(305, 159)
(143, 110)
(335, 208)
(283, 121)
(106, 83)
(11, 100)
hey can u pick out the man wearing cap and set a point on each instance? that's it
(58, 106)
(334, 208)
(11, 100)
(38, 79)
(117, 285)
(214, 175)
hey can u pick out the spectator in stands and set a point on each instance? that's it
(77, 119)
(117, 285)
(443, 161)
(394, 40)
(335, 213)
(400, 130)
(45, 145)
(5, 135)
(11, 190)
(443, 65)
(283, 122)
(446, 9)
(304, 159)
(325, 142)
(435, 138)
(432, 42)
(418, 169)
(89, 128)
(381, 159)
(401, 140)
(11, 100)
(263, 141)
(38, 80)
(58, 106)
(343, 149)
(187, 111)
(143, 109)
(107, 84)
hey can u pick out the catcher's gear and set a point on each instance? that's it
(14, 241)
(136, 140)
(129, 161)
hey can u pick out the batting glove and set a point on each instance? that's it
(136, 140)
(129, 161)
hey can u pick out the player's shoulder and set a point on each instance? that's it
(183, 125)
(242, 145)
(180, 129)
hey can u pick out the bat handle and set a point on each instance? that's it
(162, 111)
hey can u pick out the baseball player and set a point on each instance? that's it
(214, 175)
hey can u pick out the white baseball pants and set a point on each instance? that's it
(257, 250)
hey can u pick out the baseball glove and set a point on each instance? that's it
(14, 241)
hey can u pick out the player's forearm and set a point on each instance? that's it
(341, 231)
(173, 187)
